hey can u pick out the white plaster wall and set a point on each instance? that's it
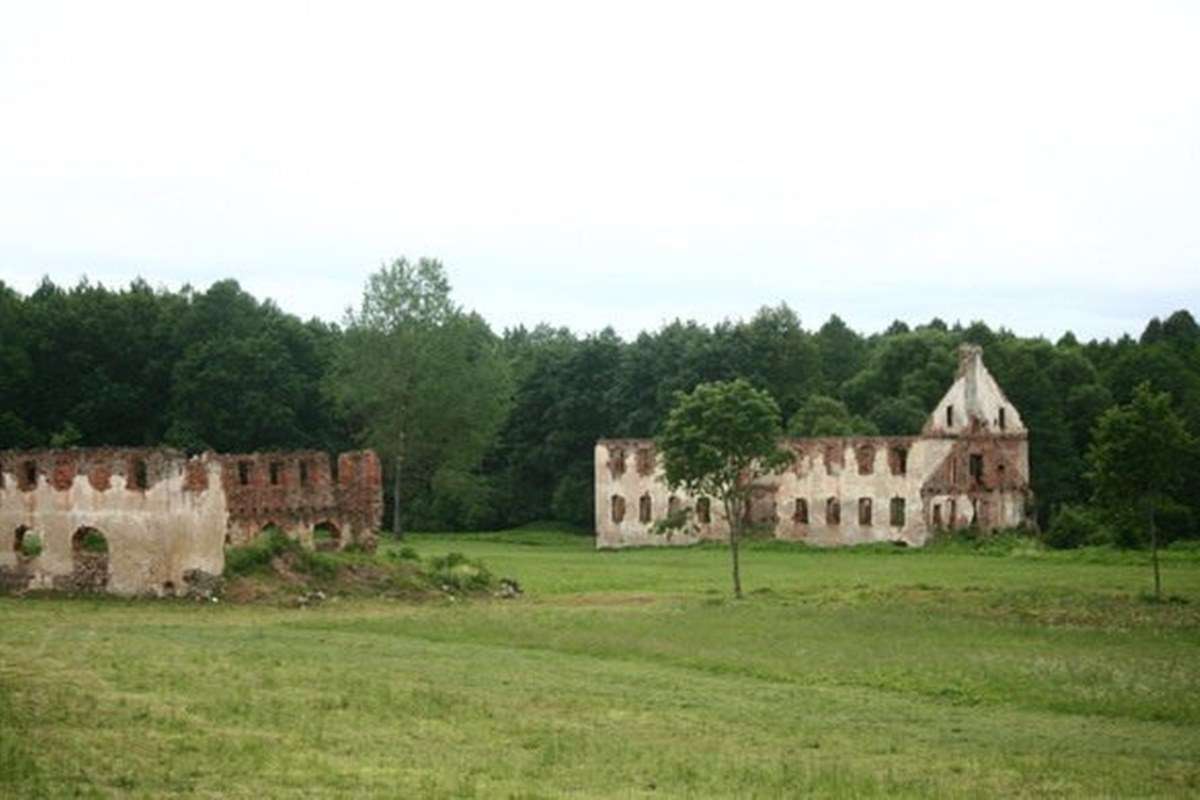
(153, 535)
(974, 394)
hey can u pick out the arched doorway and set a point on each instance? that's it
(89, 560)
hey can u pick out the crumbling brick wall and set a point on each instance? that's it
(163, 515)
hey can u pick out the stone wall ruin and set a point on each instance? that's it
(969, 467)
(135, 521)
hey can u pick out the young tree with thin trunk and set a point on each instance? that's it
(716, 442)
(1138, 457)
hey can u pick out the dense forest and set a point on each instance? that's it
(220, 369)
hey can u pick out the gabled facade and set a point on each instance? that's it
(969, 467)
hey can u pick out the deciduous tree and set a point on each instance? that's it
(1138, 460)
(716, 441)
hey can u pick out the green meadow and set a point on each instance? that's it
(1001, 670)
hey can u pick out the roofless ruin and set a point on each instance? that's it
(969, 467)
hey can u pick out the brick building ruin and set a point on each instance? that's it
(969, 467)
(135, 521)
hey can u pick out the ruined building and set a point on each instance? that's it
(149, 521)
(969, 467)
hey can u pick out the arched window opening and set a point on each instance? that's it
(89, 560)
(864, 511)
(949, 416)
(326, 536)
(26, 543)
(1001, 420)
(89, 540)
(672, 506)
(644, 508)
(618, 508)
(800, 515)
(704, 510)
(833, 511)
(898, 512)
(899, 461)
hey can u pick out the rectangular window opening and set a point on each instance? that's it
(244, 473)
(304, 473)
(949, 416)
(704, 510)
(140, 479)
(30, 474)
(276, 472)
(898, 512)
(977, 467)
(1001, 419)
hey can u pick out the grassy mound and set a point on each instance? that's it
(274, 568)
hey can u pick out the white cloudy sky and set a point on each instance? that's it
(1033, 165)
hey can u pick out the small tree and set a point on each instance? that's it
(716, 442)
(1137, 457)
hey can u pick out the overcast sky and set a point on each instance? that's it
(1034, 165)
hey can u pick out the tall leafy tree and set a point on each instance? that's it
(422, 380)
(716, 442)
(1136, 457)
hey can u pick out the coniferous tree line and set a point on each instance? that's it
(219, 369)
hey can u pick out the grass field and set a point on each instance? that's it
(877, 672)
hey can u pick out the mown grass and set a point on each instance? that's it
(981, 671)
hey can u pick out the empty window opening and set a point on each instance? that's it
(645, 461)
(29, 475)
(326, 536)
(937, 515)
(704, 510)
(899, 461)
(800, 515)
(949, 416)
(244, 473)
(616, 462)
(672, 506)
(304, 473)
(952, 513)
(864, 511)
(833, 511)
(23, 541)
(140, 479)
(898, 511)
(866, 459)
(276, 473)
(644, 508)
(618, 508)
(89, 541)
(977, 467)
(1001, 420)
